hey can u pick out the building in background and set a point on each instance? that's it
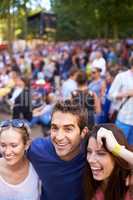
(41, 24)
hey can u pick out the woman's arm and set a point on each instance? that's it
(113, 145)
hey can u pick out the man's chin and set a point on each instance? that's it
(61, 153)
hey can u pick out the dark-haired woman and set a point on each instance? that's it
(112, 144)
(106, 173)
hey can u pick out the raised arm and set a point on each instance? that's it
(113, 145)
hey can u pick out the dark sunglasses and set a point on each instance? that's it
(16, 123)
(94, 72)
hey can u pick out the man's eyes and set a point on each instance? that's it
(68, 129)
(65, 129)
(54, 128)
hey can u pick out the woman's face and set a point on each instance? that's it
(12, 146)
(100, 161)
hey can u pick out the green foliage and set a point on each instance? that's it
(76, 19)
(13, 20)
(14, 13)
(98, 18)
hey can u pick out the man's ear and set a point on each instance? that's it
(84, 132)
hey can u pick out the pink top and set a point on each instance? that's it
(100, 196)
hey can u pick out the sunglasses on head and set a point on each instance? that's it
(16, 123)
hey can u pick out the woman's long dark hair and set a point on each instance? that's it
(116, 188)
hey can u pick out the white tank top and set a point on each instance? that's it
(29, 189)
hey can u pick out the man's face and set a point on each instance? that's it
(65, 135)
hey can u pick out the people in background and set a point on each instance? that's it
(70, 84)
(122, 90)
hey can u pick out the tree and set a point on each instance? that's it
(14, 13)
(98, 18)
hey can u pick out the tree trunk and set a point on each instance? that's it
(9, 30)
(106, 30)
(115, 30)
(26, 25)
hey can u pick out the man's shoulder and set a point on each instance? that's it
(41, 142)
(39, 146)
(41, 150)
(123, 73)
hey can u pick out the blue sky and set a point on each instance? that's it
(44, 4)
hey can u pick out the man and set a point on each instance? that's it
(70, 84)
(122, 91)
(59, 160)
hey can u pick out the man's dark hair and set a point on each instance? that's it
(73, 71)
(70, 106)
(84, 97)
(81, 78)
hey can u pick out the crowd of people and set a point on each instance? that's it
(73, 163)
(73, 89)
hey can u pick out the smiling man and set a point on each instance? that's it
(59, 160)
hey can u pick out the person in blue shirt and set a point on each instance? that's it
(59, 160)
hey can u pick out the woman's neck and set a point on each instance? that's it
(18, 166)
(103, 185)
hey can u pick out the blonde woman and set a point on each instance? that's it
(18, 179)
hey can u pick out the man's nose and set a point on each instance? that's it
(60, 134)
